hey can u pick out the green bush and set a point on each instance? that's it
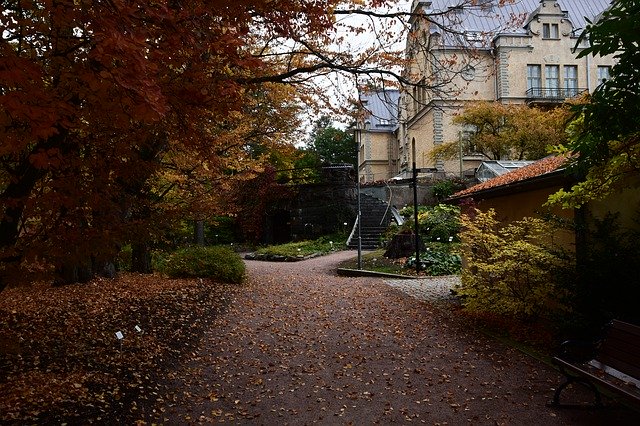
(445, 188)
(323, 245)
(221, 230)
(438, 259)
(220, 263)
(440, 223)
(513, 270)
(123, 259)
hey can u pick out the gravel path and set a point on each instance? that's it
(301, 345)
(428, 289)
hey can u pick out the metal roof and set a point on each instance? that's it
(492, 168)
(382, 106)
(478, 24)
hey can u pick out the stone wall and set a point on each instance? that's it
(401, 194)
(316, 209)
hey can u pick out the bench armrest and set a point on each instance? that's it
(578, 350)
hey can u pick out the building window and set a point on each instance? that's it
(552, 80)
(534, 80)
(550, 31)
(604, 73)
(571, 80)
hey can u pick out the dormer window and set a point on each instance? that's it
(473, 35)
(550, 31)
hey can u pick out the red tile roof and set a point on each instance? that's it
(539, 168)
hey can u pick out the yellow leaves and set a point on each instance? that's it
(515, 131)
(512, 269)
(616, 172)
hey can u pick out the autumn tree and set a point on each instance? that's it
(118, 117)
(499, 132)
(103, 103)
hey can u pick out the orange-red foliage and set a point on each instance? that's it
(109, 110)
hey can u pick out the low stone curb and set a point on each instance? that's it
(279, 258)
(346, 272)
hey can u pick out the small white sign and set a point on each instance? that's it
(119, 335)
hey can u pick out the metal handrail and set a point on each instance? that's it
(554, 93)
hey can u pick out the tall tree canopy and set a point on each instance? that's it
(115, 115)
(109, 110)
(498, 132)
(332, 145)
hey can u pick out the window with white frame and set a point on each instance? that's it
(552, 80)
(550, 31)
(571, 80)
(534, 80)
(604, 73)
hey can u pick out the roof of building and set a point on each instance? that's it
(382, 106)
(477, 25)
(492, 168)
(535, 170)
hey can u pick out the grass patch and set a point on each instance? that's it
(375, 261)
(322, 245)
(437, 259)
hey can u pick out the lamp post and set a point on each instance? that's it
(359, 219)
(415, 203)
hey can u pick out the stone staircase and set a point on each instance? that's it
(375, 220)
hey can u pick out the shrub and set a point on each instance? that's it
(221, 230)
(445, 188)
(123, 259)
(438, 259)
(512, 270)
(437, 223)
(220, 263)
(323, 244)
(440, 223)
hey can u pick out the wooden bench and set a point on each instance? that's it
(613, 364)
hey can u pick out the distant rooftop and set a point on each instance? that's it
(534, 170)
(476, 25)
(382, 106)
(492, 168)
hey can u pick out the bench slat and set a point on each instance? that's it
(623, 339)
(621, 360)
(621, 348)
(630, 393)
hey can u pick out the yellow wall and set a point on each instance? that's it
(517, 206)
(626, 202)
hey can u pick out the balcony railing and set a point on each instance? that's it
(543, 94)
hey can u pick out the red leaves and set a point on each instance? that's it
(66, 361)
(45, 159)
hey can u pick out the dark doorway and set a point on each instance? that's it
(280, 227)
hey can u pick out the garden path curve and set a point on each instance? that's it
(301, 345)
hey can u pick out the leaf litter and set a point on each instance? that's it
(295, 345)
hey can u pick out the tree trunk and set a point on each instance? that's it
(403, 245)
(141, 258)
(198, 232)
(72, 273)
